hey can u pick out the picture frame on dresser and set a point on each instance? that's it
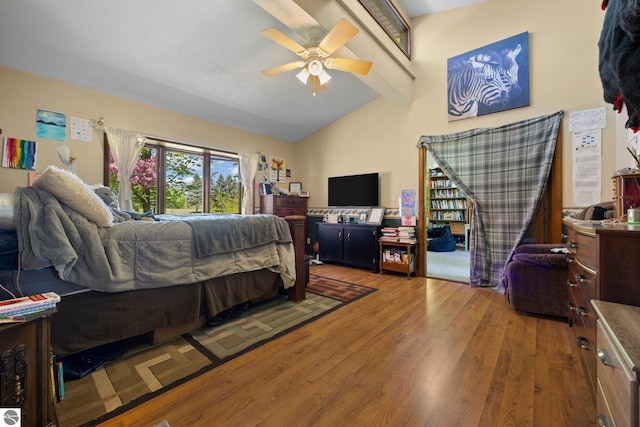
(375, 216)
(295, 187)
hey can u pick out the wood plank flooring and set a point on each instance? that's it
(419, 352)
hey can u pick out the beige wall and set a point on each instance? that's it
(23, 94)
(383, 135)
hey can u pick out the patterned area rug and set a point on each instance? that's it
(144, 371)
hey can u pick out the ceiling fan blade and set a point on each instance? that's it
(283, 40)
(341, 33)
(350, 65)
(283, 68)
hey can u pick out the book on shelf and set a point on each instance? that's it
(60, 381)
(29, 304)
(407, 240)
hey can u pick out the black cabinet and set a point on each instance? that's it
(350, 244)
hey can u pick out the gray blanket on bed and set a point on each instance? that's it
(233, 231)
(141, 254)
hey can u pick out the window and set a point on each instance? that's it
(176, 178)
(385, 14)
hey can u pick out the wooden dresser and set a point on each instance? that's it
(283, 205)
(618, 369)
(280, 205)
(603, 265)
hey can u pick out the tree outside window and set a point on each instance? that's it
(183, 182)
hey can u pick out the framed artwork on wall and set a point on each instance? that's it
(489, 79)
(375, 216)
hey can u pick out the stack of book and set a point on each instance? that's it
(389, 234)
(20, 309)
(407, 234)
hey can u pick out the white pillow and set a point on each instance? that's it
(6, 212)
(73, 192)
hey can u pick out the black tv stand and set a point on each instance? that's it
(350, 244)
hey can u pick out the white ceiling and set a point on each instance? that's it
(198, 57)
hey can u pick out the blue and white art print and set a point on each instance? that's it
(51, 125)
(489, 79)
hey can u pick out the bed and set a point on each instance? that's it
(162, 277)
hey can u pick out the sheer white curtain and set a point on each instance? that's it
(248, 170)
(125, 146)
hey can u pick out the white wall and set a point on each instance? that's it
(382, 136)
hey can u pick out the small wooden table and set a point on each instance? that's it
(398, 256)
(25, 353)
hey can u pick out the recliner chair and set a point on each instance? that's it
(536, 279)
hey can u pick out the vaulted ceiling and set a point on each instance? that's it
(198, 57)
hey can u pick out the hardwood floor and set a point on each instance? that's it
(419, 352)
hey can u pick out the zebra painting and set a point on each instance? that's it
(472, 83)
(488, 80)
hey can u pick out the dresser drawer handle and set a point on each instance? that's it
(602, 421)
(571, 284)
(581, 343)
(580, 279)
(604, 357)
(582, 312)
(568, 259)
(572, 245)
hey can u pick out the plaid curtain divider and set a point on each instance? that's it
(503, 171)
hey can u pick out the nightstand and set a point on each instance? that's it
(25, 375)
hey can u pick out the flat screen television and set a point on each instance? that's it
(354, 190)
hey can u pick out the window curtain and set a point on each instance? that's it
(248, 170)
(125, 147)
(504, 172)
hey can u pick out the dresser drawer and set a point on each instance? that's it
(586, 250)
(290, 202)
(583, 279)
(619, 385)
(582, 320)
(605, 417)
(283, 205)
(290, 206)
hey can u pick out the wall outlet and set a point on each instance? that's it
(308, 240)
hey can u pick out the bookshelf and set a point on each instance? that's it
(626, 193)
(448, 204)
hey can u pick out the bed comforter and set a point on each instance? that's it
(142, 255)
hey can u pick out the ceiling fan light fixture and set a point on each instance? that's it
(315, 67)
(303, 76)
(324, 77)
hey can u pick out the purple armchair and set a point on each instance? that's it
(536, 280)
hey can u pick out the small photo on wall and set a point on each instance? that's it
(19, 154)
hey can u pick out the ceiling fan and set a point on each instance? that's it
(316, 56)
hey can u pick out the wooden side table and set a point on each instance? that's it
(401, 257)
(25, 357)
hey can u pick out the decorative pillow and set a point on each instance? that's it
(7, 221)
(73, 192)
